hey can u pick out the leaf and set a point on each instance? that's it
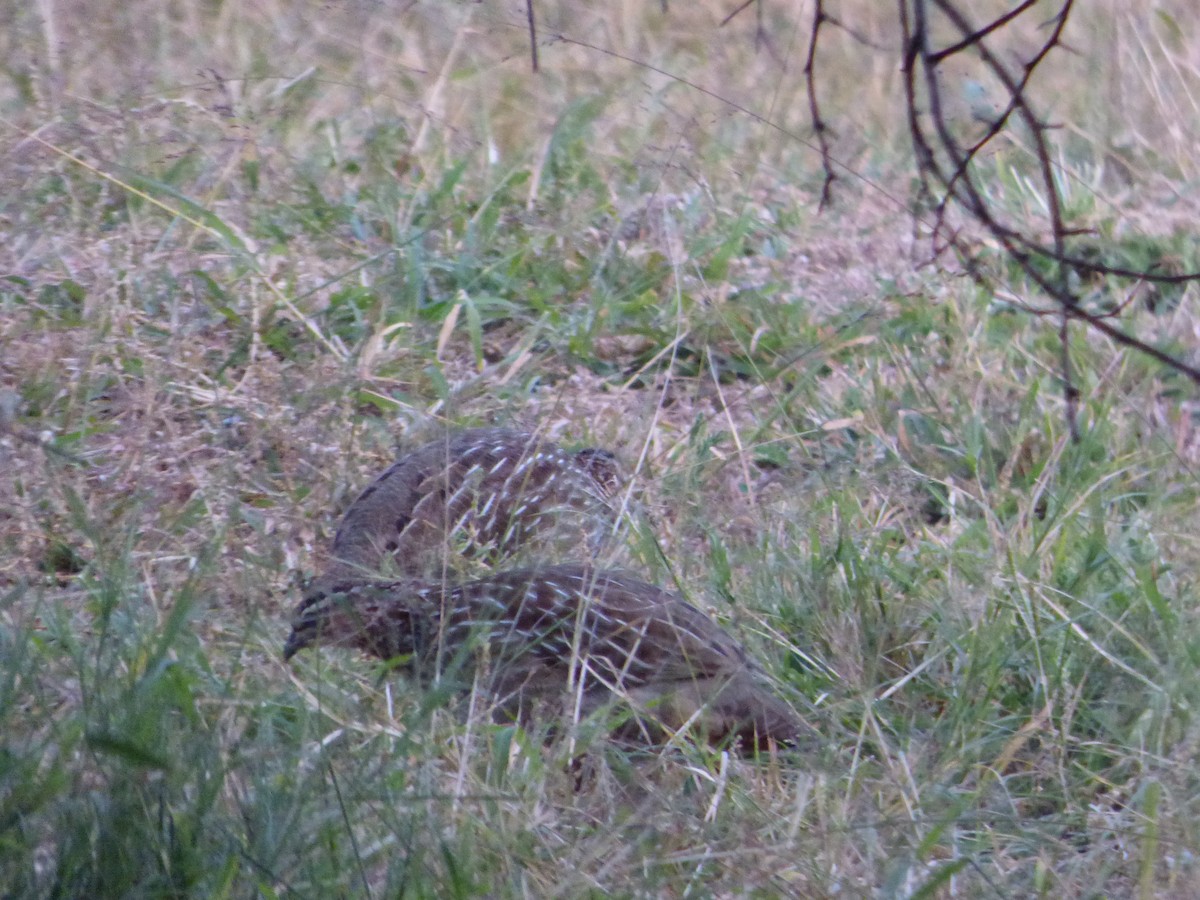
(135, 754)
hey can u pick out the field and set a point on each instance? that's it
(249, 252)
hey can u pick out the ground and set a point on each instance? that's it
(249, 253)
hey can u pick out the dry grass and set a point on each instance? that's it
(247, 250)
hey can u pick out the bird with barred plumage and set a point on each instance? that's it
(570, 639)
(484, 494)
(565, 638)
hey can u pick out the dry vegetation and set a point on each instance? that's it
(249, 249)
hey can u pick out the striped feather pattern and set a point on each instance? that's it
(577, 637)
(481, 494)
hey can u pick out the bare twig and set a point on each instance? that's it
(738, 10)
(819, 126)
(979, 35)
(533, 51)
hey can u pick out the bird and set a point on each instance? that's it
(481, 494)
(565, 638)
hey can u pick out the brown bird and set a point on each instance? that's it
(478, 494)
(568, 637)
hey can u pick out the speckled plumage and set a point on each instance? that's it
(565, 636)
(481, 494)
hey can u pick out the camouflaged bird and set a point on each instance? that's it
(483, 494)
(565, 637)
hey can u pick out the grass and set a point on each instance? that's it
(248, 251)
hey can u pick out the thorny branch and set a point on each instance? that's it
(820, 126)
(948, 172)
(950, 179)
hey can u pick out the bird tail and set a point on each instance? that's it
(749, 713)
